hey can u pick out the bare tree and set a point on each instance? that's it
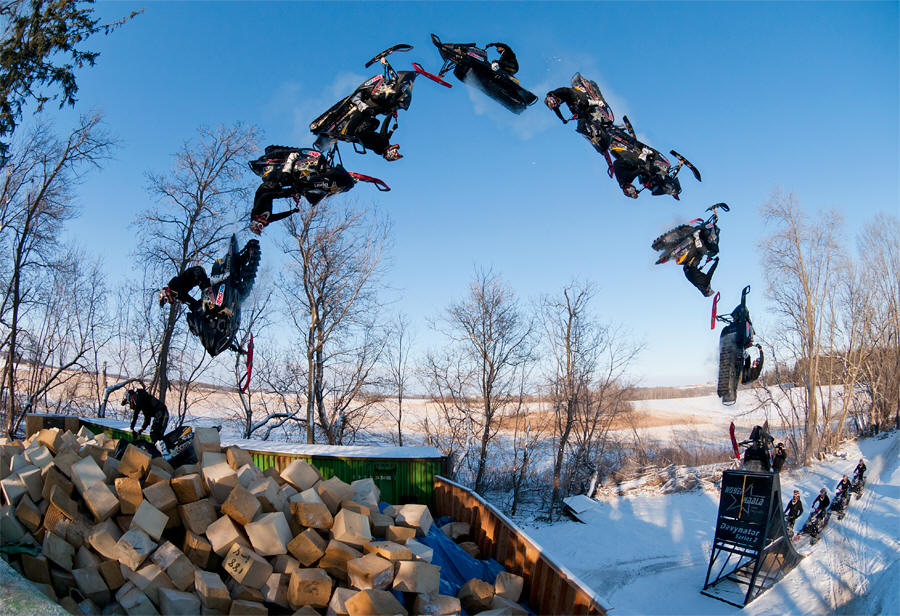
(199, 199)
(335, 261)
(36, 200)
(396, 354)
(800, 260)
(490, 339)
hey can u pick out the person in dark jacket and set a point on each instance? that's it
(794, 509)
(860, 470)
(181, 285)
(778, 458)
(700, 279)
(141, 402)
(820, 505)
(507, 61)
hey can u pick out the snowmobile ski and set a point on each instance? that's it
(734, 443)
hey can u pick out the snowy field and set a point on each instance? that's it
(649, 554)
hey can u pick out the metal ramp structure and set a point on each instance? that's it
(751, 549)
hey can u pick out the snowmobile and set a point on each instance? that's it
(357, 113)
(688, 244)
(857, 485)
(757, 453)
(839, 503)
(218, 318)
(735, 364)
(635, 159)
(814, 526)
(470, 65)
(176, 447)
(315, 175)
(595, 116)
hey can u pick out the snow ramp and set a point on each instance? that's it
(751, 549)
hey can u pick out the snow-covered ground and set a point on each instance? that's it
(649, 554)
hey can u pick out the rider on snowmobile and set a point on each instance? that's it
(860, 470)
(586, 110)
(657, 182)
(779, 457)
(179, 287)
(820, 505)
(141, 402)
(507, 61)
(843, 485)
(794, 509)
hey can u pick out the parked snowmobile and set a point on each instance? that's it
(688, 244)
(589, 109)
(637, 160)
(470, 65)
(354, 119)
(758, 446)
(735, 364)
(176, 447)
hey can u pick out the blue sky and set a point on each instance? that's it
(799, 96)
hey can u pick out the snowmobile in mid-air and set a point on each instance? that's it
(735, 363)
(354, 118)
(589, 109)
(470, 64)
(688, 244)
(637, 160)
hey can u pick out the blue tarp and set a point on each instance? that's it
(457, 565)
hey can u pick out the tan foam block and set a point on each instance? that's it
(244, 593)
(161, 496)
(414, 516)
(374, 603)
(309, 587)
(29, 514)
(471, 548)
(312, 515)
(101, 501)
(419, 550)
(111, 469)
(399, 534)
(380, 523)
(197, 516)
(246, 566)
(150, 578)
(269, 534)
(286, 491)
(241, 506)
(338, 604)
(54, 478)
(365, 492)
(130, 495)
(336, 557)
(350, 505)
(77, 531)
(135, 602)
(222, 534)
(206, 439)
(212, 591)
(508, 606)
(186, 469)
(220, 479)
(13, 489)
(36, 568)
(509, 585)
(390, 510)
(134, 463)
(196, 548)
(134, 547)
(237, 457)
(416, 576)
(307, 496)
(177, 602)
(476, 596)
(175, 564)
(111, 571)
(333, 492)
(188, 488)
(301, 475)
(248, 475)
(103, 538)
(64, 462)
(92, 585)
(370, 571)
(239, 607)
(283, 563)
(156, 474)
(84, 558)
(266, 490)
(274, 474)
(49, 438)
(456, 530)
(275, 589)
(436, 605)
(307, 547)
(58, 550)
(306, 611)
(389, 550)
(211, 458)
(351, 528)
(150, 520)
(31, 478)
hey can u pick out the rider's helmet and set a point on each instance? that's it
(552, 101)
(128, 395)
(259, 223)
(392, 153)
(796, 492)
(630, 191)
(166, 295)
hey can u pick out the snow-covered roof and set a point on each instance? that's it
(334, 451)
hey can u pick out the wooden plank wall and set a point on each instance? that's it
(548, 588)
